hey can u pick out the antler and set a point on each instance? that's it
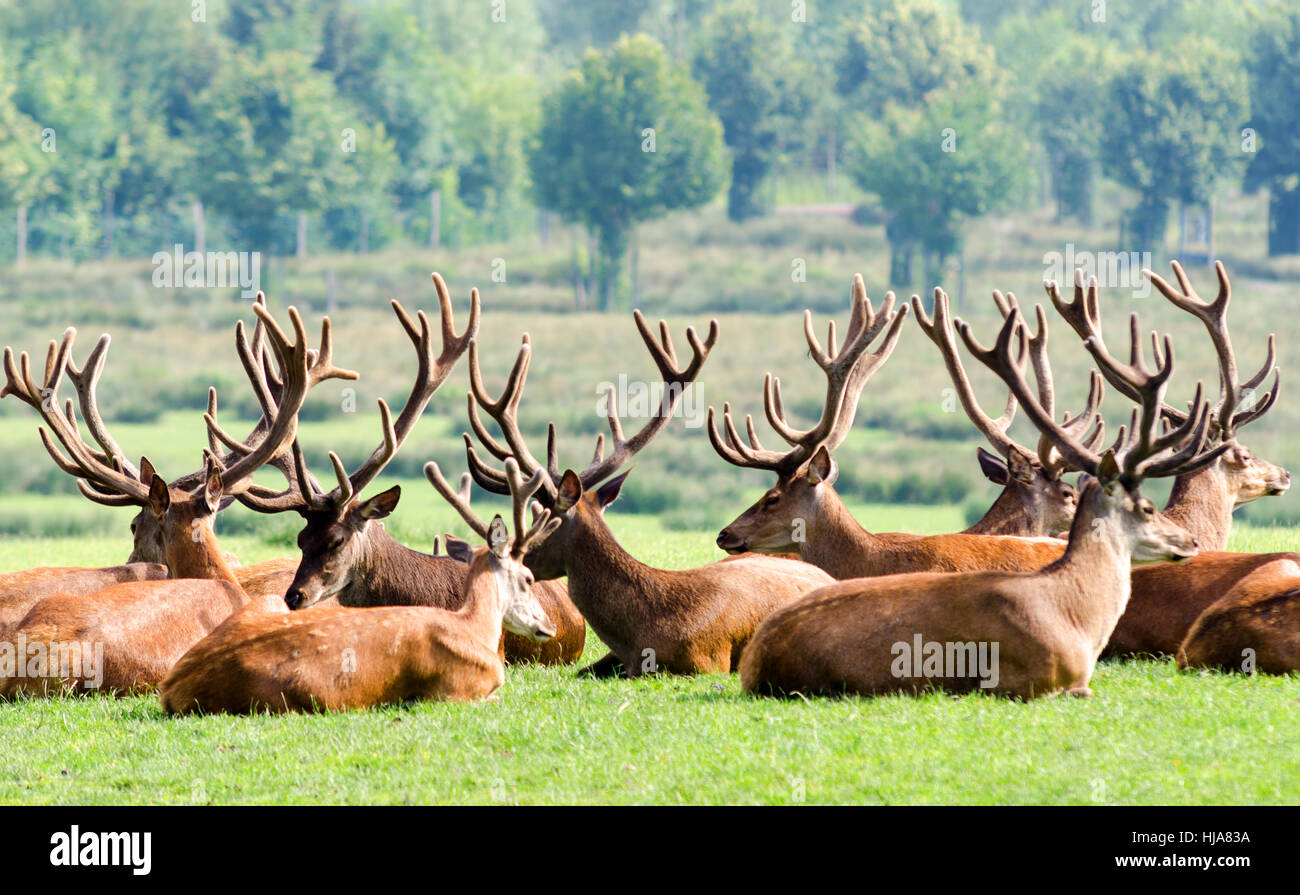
(303, 492)
(520, 493)
(1214, 315)
(1144, 454)
(505, 412)
(847, 372)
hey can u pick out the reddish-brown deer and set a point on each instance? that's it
(1026, 634)
(1167, 599)
(344, 657)
(348, 556)
(651, 619)
(803, 514)
(142, 628)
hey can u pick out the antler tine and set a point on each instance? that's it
(735, 452)
(999, 360)
(84, 382)
(456, 498)
(504, 411)
(675, 381)
(1214, 316)
(106, 474)
(939, 331)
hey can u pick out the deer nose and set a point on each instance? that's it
(293, 599)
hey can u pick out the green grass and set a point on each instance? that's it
(1151, 735)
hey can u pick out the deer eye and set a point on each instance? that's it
(771, 500)
(1149, 509)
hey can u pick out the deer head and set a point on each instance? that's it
(807, 468)
(339, 523)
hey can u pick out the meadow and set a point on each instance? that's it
(1152, 734)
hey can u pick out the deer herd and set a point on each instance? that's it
(1053, 577)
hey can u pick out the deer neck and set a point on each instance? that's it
(1202, 503)
(484, 606)
(836, 542)
(195, 553)
(1006, 517)
(1090, 583)
(388, 573)
(609, 586)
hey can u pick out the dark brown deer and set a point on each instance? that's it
(651, 619)
(1167, 599)
(803, 514)
(144, 627)
(348, 555)
(344, 657)
(1035, 500)
(1026, 634)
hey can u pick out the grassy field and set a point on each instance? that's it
(1152, 735)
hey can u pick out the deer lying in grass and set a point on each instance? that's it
(1042, 630)
(343, 657)
(1167, 599)
(271, 576)
(347, 555)
(144, 627)
(803, 514)
(20, 591)
(651, 619)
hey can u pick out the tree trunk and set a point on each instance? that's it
(108, 223)
(579, 279)
(364, 236)
(636, 259)
(331, 297)
(435, 219)
(1283, 221)
(830, 164)
(21, 255)
(1209, 232)
(200, 239)
(301, 252)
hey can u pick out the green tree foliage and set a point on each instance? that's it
(1174, 130)
(756, 87)
(626, 137)
(1274, 68)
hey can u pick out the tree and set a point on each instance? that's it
(934, 167)
(755, 86)
(1173, 134)
(1071, 114)
(1274, 70)
(269, 133)
(626, 137)
(24, 168)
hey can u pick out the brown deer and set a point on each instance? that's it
(20, 591)
(651, 619)
(144, 627)
(1167, 599)
(344, 657)
(803, 514)
(1026, 634)
(348, 556)
(1035, 500)
(271, 576)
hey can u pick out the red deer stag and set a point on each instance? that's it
(1035, 500)
(1026, 634)
(348, 555)
(1167, 599)
(142, 628)
(344, 657)
(651, 619)
(803, 514)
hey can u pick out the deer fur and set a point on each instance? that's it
(20, 591)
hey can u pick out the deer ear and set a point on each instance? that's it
(146, 471)
(608, 492)
(212, 492)
(993, 467)
(458, 550)
(1020, 466)
(821, 468)
(160, 499)
(381, 505)
(498, 537)
(1107, 470)
(569, 492)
